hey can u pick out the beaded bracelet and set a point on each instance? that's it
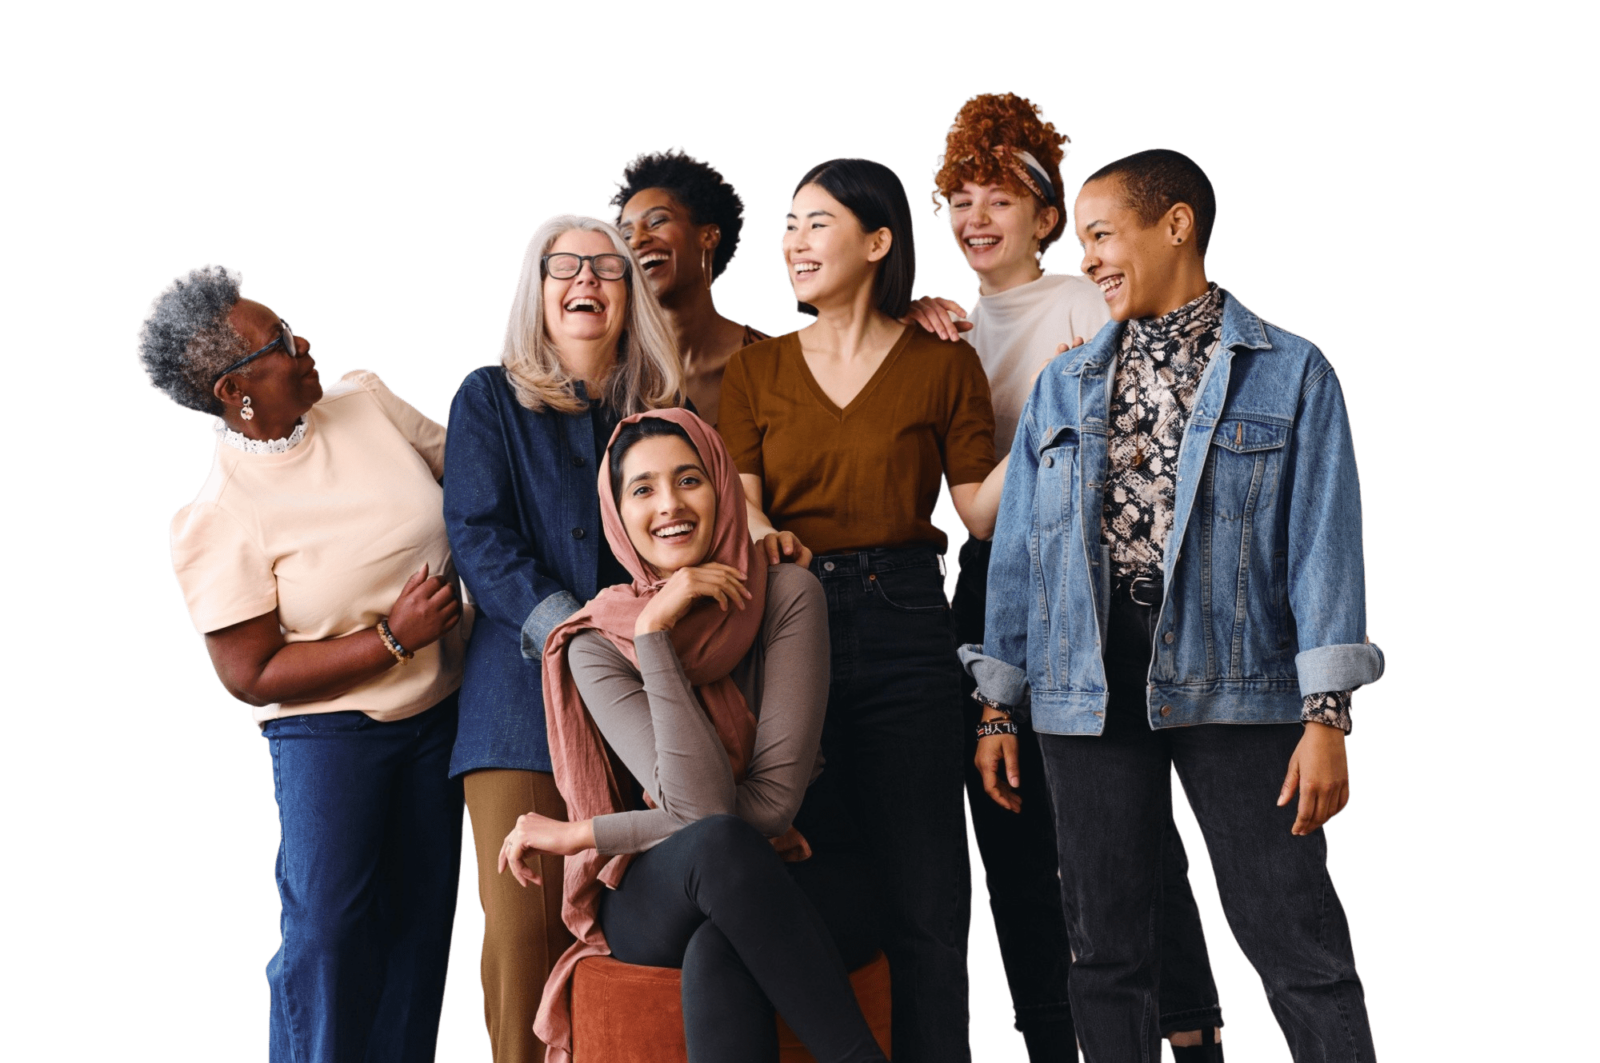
(392, 644)
(990, 728)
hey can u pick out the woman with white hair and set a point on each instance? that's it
(586, 346)
(315, 562)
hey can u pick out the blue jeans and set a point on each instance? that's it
(367, 867)
(1113, 799)
(752, 934)
(891, 788)
(1020, 864)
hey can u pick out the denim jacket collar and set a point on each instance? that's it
(1241, 330)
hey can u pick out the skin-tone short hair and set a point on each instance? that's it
(649, 372)
(1155, 181)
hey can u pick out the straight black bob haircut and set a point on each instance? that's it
(878, 199)
(644, 428)
(1155, 181)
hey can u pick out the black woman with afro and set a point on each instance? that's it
(682, 221)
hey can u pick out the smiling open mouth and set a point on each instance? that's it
(807, 267)
(653, 259)
(583, 305)
(981, 242)
(676, 532)
(1110, 285)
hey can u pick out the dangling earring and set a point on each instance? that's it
(705, 266)
(245, 411)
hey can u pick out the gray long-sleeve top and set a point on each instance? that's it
(655, 724)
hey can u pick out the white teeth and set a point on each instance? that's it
(1110, 284)
(653, 258)
(807, 267)
(681, 528)
(577, 305)
(983, 241)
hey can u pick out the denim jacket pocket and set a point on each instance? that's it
(1246, 458)
(1244, 623)
(914, 590)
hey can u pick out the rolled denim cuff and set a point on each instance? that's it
(546, 616)
(1342, 667)
(997, 681)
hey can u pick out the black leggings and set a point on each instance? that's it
(752, 934)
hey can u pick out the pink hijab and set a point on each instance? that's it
(709, 642)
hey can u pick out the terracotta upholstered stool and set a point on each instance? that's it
(627, 1014)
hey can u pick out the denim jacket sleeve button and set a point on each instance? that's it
(1168, 637)
(1049, 460)
(577, 461)
(1166, 710)
(577, 533)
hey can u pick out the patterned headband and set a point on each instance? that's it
(1029, 172)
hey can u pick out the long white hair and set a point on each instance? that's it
(649, 370)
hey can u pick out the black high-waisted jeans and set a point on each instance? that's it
(891, 786)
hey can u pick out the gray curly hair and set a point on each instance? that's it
(186, 341)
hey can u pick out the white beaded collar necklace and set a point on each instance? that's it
(240, 441)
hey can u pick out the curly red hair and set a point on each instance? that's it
(981, 147)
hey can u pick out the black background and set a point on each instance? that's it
(389, 231)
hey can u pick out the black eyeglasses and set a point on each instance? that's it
(285, 340)
(564, 265)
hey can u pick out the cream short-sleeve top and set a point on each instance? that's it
(327, 533)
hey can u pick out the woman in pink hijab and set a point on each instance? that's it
(708, 678)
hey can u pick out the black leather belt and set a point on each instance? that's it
(1141, 590)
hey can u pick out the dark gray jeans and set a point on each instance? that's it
(1112, 796)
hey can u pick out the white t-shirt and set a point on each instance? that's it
(327, 533)
(1018, 330)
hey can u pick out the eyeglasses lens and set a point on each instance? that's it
(564, 266)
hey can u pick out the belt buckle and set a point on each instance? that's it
(1134, 585)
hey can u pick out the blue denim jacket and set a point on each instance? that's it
(1265, 597)
(523, 517)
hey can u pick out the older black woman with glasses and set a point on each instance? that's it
(316, 564)
(586, 346)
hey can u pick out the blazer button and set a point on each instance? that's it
(577, 533)
(577, 461)
(1166, 710)
(1168, 637)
